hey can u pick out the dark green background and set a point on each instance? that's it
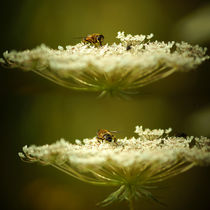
(36, 111)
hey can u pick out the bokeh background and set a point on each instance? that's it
(37, 111)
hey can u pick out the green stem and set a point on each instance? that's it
(131, 204)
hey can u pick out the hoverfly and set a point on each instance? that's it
(94, 39)
(105, 135)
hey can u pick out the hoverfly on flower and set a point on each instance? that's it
(105, 135)
(94, 39)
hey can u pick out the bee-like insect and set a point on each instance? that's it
(128, 47)
(94, 39)
(181, 134)
(105, 135)
(192, 143)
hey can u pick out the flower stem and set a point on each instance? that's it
(131, 204)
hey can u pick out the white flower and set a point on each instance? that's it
(118, 68)
(135, 165)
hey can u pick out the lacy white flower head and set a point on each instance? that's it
(136, 165)
(118, 68)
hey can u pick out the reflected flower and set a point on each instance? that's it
(135, 165)
(111, 69)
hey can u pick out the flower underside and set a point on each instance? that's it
(110, 69)
(135, 165)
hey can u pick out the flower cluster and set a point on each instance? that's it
(118, 68)
(133, 40)
(135, 164)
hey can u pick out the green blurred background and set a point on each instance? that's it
(37, 111)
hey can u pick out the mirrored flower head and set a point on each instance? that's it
(135, 165)
(109, 69)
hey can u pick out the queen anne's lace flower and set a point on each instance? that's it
(117, 68)
(136, 165)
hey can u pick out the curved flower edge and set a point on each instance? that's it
(128, 190)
